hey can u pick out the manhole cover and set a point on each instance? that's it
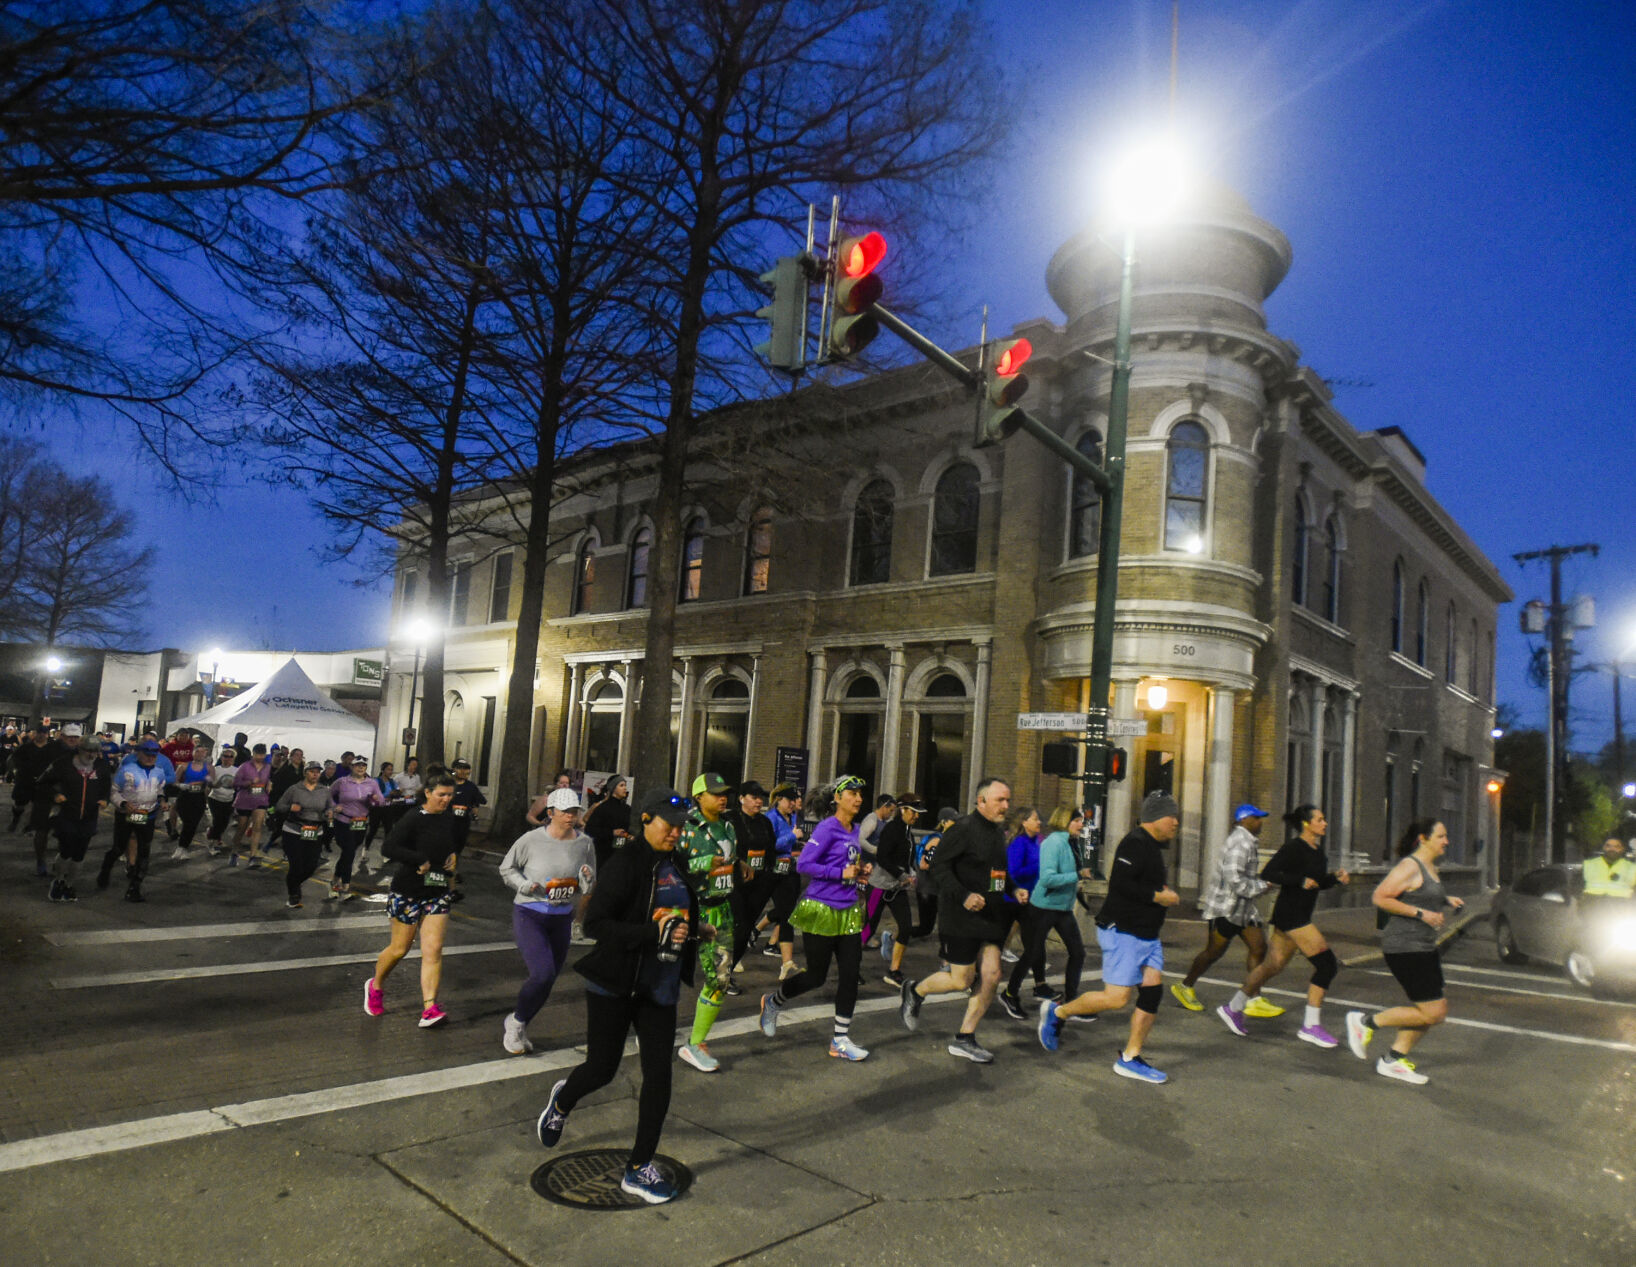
(590, 1180)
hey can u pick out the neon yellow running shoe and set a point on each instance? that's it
(1184, 995)
(1259, 1006)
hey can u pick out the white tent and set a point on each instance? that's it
(287, 709)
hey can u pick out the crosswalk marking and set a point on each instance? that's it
(190, 932)
(264, 965)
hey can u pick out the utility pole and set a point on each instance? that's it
(1559, 673)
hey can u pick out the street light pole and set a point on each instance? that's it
(414, 690)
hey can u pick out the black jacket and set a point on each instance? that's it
(1290, 868)
(1135, 877)
(971, 859)
(420, 837)
(611, 814)
(619, 918)
(756, 834)
(83, 792)
(29, 764)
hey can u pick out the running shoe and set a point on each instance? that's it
(54, 893)
(886, 940)
(70, 894)
(374, 1002)
(1401, 1069)
(1185, 995)
(292, 905)
(843, 1048)
(1136, 1067)
(967, 1048)
(732, 989)
(232, 860)
(772, 951)
(1358, 1035)
(1318, 1036)
(698, 1055)
(1008, 956)
(1050, 1027)
(1043, 992)
(178, 853)
(738, 967)
(909, 1005)
(552, 1119)
(788, 970)
(215, 851)
(515, 1039)
(134, 894)
(103, 879)
(646, 1182)
(349, 896)
(1262, 1008)
(1012, 1005)
(893, 979)
(1233, 1020)
(769, 1014)
(754, 942)
(433, 1015)
(334, 895)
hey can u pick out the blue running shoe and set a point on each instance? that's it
(1050, 1025)
(1136, 1067)
(553, 1119)
(769, 1014)
(646, 1182)
(886, 940)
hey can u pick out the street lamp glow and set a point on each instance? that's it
(1148, 182)
(215, 654)
(1497, 733)
(418, 630)
(1157, 697)
(53, 664)
(1629, 790)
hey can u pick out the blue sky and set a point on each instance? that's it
(1456, 180)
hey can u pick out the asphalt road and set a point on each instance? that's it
(193, 1080)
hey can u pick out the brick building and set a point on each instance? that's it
(1298, 618)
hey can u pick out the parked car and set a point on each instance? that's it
(1545, 916)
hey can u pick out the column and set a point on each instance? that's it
(815, 714)
(1120, 816)
(684, 731)
(892, 729)
(979, 725)
(627, 718)
(571, 718)
(750, 719)
(1218, 779)
(1317, 695)
(1342, 834)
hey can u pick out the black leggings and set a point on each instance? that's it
(786, 893)
(926, 905)
(304, 856)
(347, 839)
(125, 832)
(898, 904)
(848, 953)
(1022, 921)
(190, 808)
(221, 813)
(1038, 923)
(607, 1022)
(749, 900)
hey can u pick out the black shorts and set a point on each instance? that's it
(1420, 973)
(961, 951)
(1224, 928)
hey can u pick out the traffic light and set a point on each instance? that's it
(1060, 759)
(1004, 384)
(857, 290)
(785, 348)
(1118, 760)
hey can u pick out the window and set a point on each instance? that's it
(945, 686)
(500, 589)
(1188, 454)
(636, 587)
(1421, 624)
(485, 742)
(604, 716)
(411, 583)
(940, 748)
(1472, 677)
(1085, 509)
(584, 577)
(1451, 649)
(1397, 606)
(858, 726)
(1298, 571)
(1332, 571)
(758, 552)
(726, 725)
(692, 581)
(954, 521)
(872, 535)
(1297, 753)
(459, 592)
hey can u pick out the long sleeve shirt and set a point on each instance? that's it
(251, 784)
(353, 797)
(831, 850)
(1058, 878)
(1290, 868)
(1235, 885)
(1134, 880)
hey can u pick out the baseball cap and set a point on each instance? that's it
(147, 745)
(946, 813)
(663, 802)
(910, 801)
(786, 790)
(71, 731)
(751, 788)
(563, 798)
(461, 764)
(1248, 811)
(314, 765)
(709, 783)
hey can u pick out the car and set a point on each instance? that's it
(1545, 916)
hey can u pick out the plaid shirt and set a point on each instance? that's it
(1236, 884)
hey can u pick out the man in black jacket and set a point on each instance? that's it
(969, 874)
(77, 783)
(28, 766)
(1127, 929)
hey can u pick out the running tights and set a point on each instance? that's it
(543, 939)
(607, 1021)
(1038, 923)
(847, 951)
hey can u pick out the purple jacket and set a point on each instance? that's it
(830, 851)
(247, 777)
(353, 797)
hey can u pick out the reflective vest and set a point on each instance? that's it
(1604, 880)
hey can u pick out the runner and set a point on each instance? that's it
(890, 883)
(609, 823)
(552, 870)
(788, 882)
(251, 785)
(304, 811)
(641, 916)
(708, 848)
(283, 775)
(423, 847)
(28, 766)
(352, 798)
(219, 800)
(1127, 930)
(77, 783)
(1229, 911)
(925, 892)
(830, 918)
(1050, 908)
(757, 850)
(1298, 869)
(137, 793)
(1022, 862)
(192, 783)
(969, 872)
(178, 750)
(379, 814)
(468, 797)
(1413, 897)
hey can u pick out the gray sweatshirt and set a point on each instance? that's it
(563, 868)
(309, 804)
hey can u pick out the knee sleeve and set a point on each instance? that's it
(1147, 998)
(1324, 968)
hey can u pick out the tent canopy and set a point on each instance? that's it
(289, 710)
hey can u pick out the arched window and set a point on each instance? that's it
(1085, 512)
(1422, 624)
(942, 718)
(758, 552)
(604, 715)
(584, 576)
(945, 686)
(872, 535)
(1397, 606)
(1298, 560)
(863, 687)
(1332, 571)
(1188, 458)
(859, 723)
(1297, 753)
(1451, 649)
(954, 521)
(726, 727)
(636, 587)
(692, 579)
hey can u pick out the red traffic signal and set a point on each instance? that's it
(862, 256)
(1012, 357)
(1117, 761)
(857, 290)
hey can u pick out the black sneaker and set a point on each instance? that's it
(1012, 1005)
(909, 1006)
(104, 878)
(54, 893)
(134, 894)
(552, 1119)
(893, 979)
(967, 1048)
(70, 893)
(1044, 992)
(733, 989)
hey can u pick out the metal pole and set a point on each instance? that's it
(414, 690)
(1618, 735)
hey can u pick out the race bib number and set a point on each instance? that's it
(311, 833)
(563, 890)
(782, 866)
(460, 811)
(755, 858)
(136, 817)
(256, 789)
(435, 880)
(996, 881)
(358, 824)
(720, 880)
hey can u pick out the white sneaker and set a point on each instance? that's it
(1401, 1069)
(788, 970)
(515, 1038)
(178, 854)
(1008, 956)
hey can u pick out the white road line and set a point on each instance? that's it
(1511, 989)
(191, 932)
(263, 965)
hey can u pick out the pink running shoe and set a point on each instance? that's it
(433, 1015)
(1318, 1036)
(374, 1004)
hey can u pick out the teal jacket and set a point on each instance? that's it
(1059, 876)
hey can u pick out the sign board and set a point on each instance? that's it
(408, 736)
(367, 672)
(1118, 727)
(1126, 727)
(790, 766)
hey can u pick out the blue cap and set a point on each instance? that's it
(1248, 811)
(147, 745)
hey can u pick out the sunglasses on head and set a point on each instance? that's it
(849, 782)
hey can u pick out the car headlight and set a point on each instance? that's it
(1621, 934)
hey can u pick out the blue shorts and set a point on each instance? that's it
(1124, 956)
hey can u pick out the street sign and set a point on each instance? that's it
(790, 766)
(1050, 721)
(1126, 727)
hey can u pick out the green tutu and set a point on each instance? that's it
(825, 921)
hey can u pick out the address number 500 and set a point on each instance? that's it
(1183, 648)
